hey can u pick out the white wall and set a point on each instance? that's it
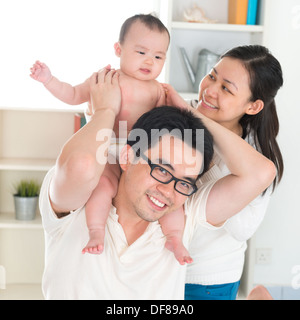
(280, 229)
(74, 37)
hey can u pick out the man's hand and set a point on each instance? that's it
(105, 90)
(41, 73)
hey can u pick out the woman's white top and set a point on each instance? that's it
(218, 252)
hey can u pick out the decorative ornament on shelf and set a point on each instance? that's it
(196, 14)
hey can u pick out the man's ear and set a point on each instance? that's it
(118, 49)
(126, 157)
(255, 107)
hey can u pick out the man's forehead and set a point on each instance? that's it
(178, 154)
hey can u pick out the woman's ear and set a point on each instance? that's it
(117, 47)
(255, 107)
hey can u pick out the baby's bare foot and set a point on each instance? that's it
(96, 242)
(175, 245)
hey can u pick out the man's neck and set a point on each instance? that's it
(132, 224)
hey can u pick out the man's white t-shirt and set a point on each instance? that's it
(144, 270)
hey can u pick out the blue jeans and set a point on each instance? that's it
(226, 291)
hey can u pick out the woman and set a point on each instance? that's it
(238, 94)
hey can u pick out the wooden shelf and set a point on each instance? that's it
(8, 221)
(217, 27)
(26, 164)
(22, 292)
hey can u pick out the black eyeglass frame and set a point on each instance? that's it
(153, 166)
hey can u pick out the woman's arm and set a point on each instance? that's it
(79, 165)
(251, 172)
(244, 224)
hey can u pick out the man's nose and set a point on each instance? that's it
(166, 189)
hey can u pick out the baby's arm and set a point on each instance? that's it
(61, 90)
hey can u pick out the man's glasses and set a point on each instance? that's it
(162, 175)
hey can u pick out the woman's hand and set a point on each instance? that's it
(105, 90)
(173, 98)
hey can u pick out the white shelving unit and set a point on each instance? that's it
(8, 221)
(217, 37)
(26, 164)
(221, 27)
(30, 141)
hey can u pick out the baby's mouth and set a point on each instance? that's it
(145, 71)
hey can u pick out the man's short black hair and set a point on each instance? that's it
(149, 20)
(171, 120)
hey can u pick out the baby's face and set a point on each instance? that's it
(143, 53)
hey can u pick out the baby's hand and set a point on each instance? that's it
(41, 73)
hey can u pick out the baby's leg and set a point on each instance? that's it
(172, 225)
(98, 207)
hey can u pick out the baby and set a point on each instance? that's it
(142, 49)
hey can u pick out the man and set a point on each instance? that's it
(135, 263)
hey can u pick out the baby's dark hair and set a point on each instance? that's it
(149, 20)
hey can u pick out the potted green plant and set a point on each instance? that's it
(26, 199)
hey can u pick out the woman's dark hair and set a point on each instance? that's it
(174, 121)
(150, 21)
(265, 80)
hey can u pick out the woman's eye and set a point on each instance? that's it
(226, 89)
(211, 77)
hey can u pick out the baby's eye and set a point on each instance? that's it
(158, 57)
(141, 52)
